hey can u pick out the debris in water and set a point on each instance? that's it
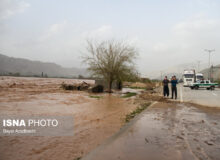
(179, 137)
(146, 140)
(97, 89)
(209, 143)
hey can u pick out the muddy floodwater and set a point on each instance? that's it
(166, 131)
(95, 119)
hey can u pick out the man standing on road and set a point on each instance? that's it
(173, 85)
(165, 87)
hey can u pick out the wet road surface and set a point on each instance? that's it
(201, 96)
(166, 131)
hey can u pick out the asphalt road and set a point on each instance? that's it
(201, 96)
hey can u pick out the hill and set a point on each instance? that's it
(25, 67)
(215, 72)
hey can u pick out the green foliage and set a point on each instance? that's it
(145, 80)
(129, 94)
(81, 77)
(131, 76)
(155, 80)
(17, 74)
(91, 96)
(217, 81)
(136, 111)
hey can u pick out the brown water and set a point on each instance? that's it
(166, 132)
(94, 119)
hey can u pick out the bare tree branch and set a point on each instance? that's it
(111, 60)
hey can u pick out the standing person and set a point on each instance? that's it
(173, 85)
(165, 87)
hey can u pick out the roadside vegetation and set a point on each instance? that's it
(217, 81)
(98, 97)
(129, 94)
(136, 111)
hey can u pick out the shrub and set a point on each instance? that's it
(129, 94)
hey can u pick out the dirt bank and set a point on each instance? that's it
(95, 119)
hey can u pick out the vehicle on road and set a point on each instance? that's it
(204, 84)
(199, 76)
(188, 77)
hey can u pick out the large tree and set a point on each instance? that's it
(111, 60)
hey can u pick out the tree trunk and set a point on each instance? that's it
(119, 85)
(110, 86)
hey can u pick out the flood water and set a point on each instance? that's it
(94, 119)
(165, 131)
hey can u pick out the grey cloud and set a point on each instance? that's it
(11, 7)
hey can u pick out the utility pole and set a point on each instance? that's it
(209, 51)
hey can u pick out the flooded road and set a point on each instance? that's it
(95, 119)
(166, 131)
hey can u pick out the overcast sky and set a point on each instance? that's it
(166, 32)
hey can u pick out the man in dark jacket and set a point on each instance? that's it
(165, 87)
(173, 86)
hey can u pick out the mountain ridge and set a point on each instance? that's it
(26, 67)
